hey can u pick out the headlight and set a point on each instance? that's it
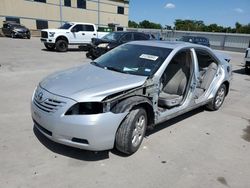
(103, 45)
(15, 30)
(51, 34)
(86, 108)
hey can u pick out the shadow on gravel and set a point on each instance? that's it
(177, 119)
(70, 151)
(69, 50)
(85, 155)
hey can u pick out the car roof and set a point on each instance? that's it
(129, 32)
(166, 44)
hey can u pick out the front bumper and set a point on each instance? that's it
(96, 52)
(90, 132)
(48, 40)
(22, 34)
(247, 62)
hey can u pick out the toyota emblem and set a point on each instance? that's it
(40, 96)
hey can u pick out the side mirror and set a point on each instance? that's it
(74, 30)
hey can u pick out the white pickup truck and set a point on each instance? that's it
(72, 33)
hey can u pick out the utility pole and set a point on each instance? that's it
(98, 13)
(60, 2)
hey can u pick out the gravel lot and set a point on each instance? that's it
(198, 149)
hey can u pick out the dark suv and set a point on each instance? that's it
(112, 40)
(13, 29)
(196, 40)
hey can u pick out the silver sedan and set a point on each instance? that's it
(112, 101)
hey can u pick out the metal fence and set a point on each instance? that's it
(221, 41)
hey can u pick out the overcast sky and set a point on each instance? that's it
(221, 12)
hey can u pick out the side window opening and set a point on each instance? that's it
(126, 38)
(175, 80)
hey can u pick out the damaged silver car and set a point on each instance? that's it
(112, 101)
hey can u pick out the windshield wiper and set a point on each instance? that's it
(96, 64)
(113, 69)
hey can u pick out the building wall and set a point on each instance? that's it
(99, 12)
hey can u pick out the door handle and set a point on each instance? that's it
(83, 33)
(94, 34)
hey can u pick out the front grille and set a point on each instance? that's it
(44, 34)
(49, 105)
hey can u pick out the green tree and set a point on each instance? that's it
(133, 24)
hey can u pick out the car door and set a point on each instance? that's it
(6, 29)
(177, 85)
(89, 33)
(77, 35)
(207, 74)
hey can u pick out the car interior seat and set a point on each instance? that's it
(174, 81)
(206, 77)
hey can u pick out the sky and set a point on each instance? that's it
(222, 12)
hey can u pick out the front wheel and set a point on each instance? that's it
(218, 100)
(50, 46)
(61, 46)
(130, 134)
(12, 35)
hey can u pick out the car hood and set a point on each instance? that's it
(21, 29)
(55, 30)
(97, 41)
(90, 83)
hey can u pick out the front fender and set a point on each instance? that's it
(127, 104)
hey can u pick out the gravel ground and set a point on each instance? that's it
(198, 149)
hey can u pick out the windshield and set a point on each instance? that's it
(18, 26)
(65, 26)
(113, 36)
(134, 59)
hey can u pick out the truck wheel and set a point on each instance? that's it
(61, 46)
(50, 46)
(218, 99)
(130, 134)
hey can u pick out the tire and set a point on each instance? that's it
(218, 99)
(61, 46)
(29, 36)
(130, 134)
(50, 47)
(12, 35)
(247, 70)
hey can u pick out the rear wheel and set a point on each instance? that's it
(130, 134)
(218, 100)
(50, 46)
(61, 46)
